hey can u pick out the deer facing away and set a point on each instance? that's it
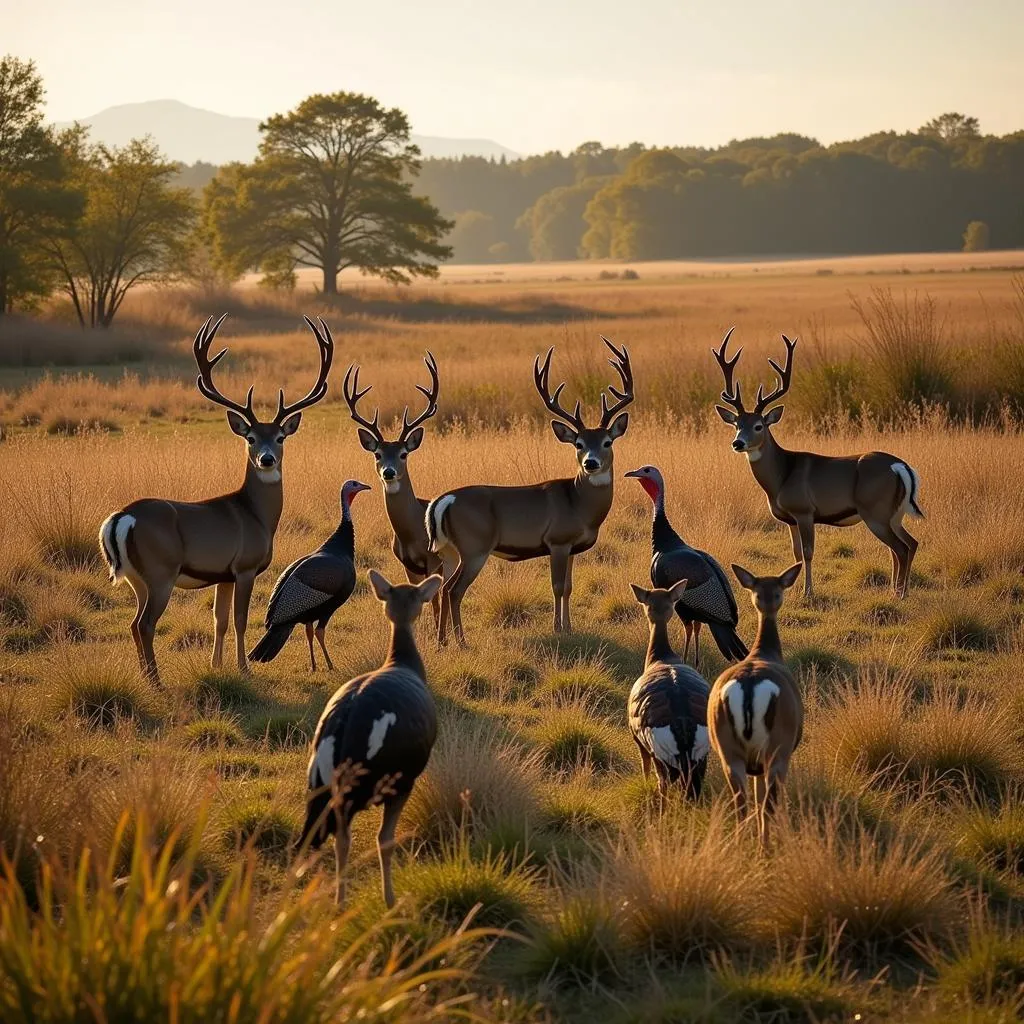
(223, 542)
(405, 511)
(804, 488)
(557, 518)
(755, 712)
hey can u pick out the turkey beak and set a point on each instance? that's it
(633, 473)
(360, 486)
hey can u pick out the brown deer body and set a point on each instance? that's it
(556, 519)
(404, 509)
(755, 712)
(804, 488)
(223, 542)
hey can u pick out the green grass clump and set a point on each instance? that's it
(207, 733)
(586, 681)
(102, 693)
(269, 830)
(884, 613)
(220, 690)
(988, 968)
(995, 838)
(805, 660)
(453, 884)
(959, 630)
(282, 728)
(512, 603)
(571, 741)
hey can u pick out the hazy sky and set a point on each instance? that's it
(546, 74)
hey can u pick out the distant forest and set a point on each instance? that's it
(887, 192)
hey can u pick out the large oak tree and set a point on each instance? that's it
(331, 188)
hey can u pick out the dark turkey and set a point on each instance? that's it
(708, 600)
(313, 588)
(374, 738)
(668, 705)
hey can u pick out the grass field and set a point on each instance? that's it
(894, 887)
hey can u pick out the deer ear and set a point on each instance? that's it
(676, 591)
(640, 594)
(727, 414)
(788, 578)
(381, 587)
(414, 440)
(238, 424)
(747, 579)
(429, 587)
(291, 424)
(618, 428)
(368, 441)
(773, 415)
(564, 433)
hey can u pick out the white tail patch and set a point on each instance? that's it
(748, 719)
(435, 529)
(321, 764)
(911, 483)
(701, 744)
(662, 745)
(378, 732)
(114, 543)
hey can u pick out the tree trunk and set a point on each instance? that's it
(3, 294)
(330, 281)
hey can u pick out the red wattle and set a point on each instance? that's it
(650, 486)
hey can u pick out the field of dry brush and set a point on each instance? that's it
(894, 887)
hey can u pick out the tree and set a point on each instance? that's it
(34, 195)
(976, 237)
(331, 188)
(555, 223)
(135, 227)
(472, 237)
(952, 126)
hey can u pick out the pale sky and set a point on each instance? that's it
(536, 75)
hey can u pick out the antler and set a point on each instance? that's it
(625, 396)
(350, 387)
(431, 394)
(325, 342)
(731, 394)
(541, 375)
(785, 376)
(201, 350)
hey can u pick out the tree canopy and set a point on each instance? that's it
(331, 188)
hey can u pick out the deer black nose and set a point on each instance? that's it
(266, 460)
(739, 445)
(388, 473)
(590, 465)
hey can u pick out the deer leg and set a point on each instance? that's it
(323, 647)
(138, 584)
(736, 776)
(806, 527)
(156, 603)
(309, 640)
(645, 759)
(449, 569)
(776, 779)
(342, 843)
(900, 553)
(911, 542)
(221, 613)
(696, 644)
(243, 594)
(688, 629)
(386, 845)
(566, 594)
(468, 571)
(794, 536)
(559, 568)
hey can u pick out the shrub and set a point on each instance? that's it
(587, 681)
(569, 741)
(512, 602)
(995, 838)
(282, 728)
(213, 732)
(101, 692)
(218, 690)
(960, 630)
(988, 967)
(268, 830)
(976, 236)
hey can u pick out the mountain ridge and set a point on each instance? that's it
(192, 134)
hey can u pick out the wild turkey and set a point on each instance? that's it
(709, 599)
(313, 588)
(374, 738)
(668, 705)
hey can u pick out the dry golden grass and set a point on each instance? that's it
(902, 795)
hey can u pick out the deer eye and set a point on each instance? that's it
(280, 440)
(758, 427)
(403, 455)
(607, 444)
(250, 440)
(376, 455)
(579, 446)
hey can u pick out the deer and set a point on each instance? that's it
(405, 511)
(755, 712)
(804, 488)
(557, 519)
(223, 542)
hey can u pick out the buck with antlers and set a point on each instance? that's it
(805, 488)
(557, 518)
(224, 542)
(405, 511)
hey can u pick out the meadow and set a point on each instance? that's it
(146, 833)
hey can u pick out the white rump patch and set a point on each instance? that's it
(662, 744)
(764, 691)
(910, 486)
(437, 510)
(701, 744)
(321, 764)
(600, 479)
(115, 545)
(378, 732)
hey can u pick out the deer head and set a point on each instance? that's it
(660, 605)
(403, 602)
(391, 456)
(593, 444)
(265, 439)
(767, 592)
(752, 428)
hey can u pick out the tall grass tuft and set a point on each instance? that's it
(146, 946)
